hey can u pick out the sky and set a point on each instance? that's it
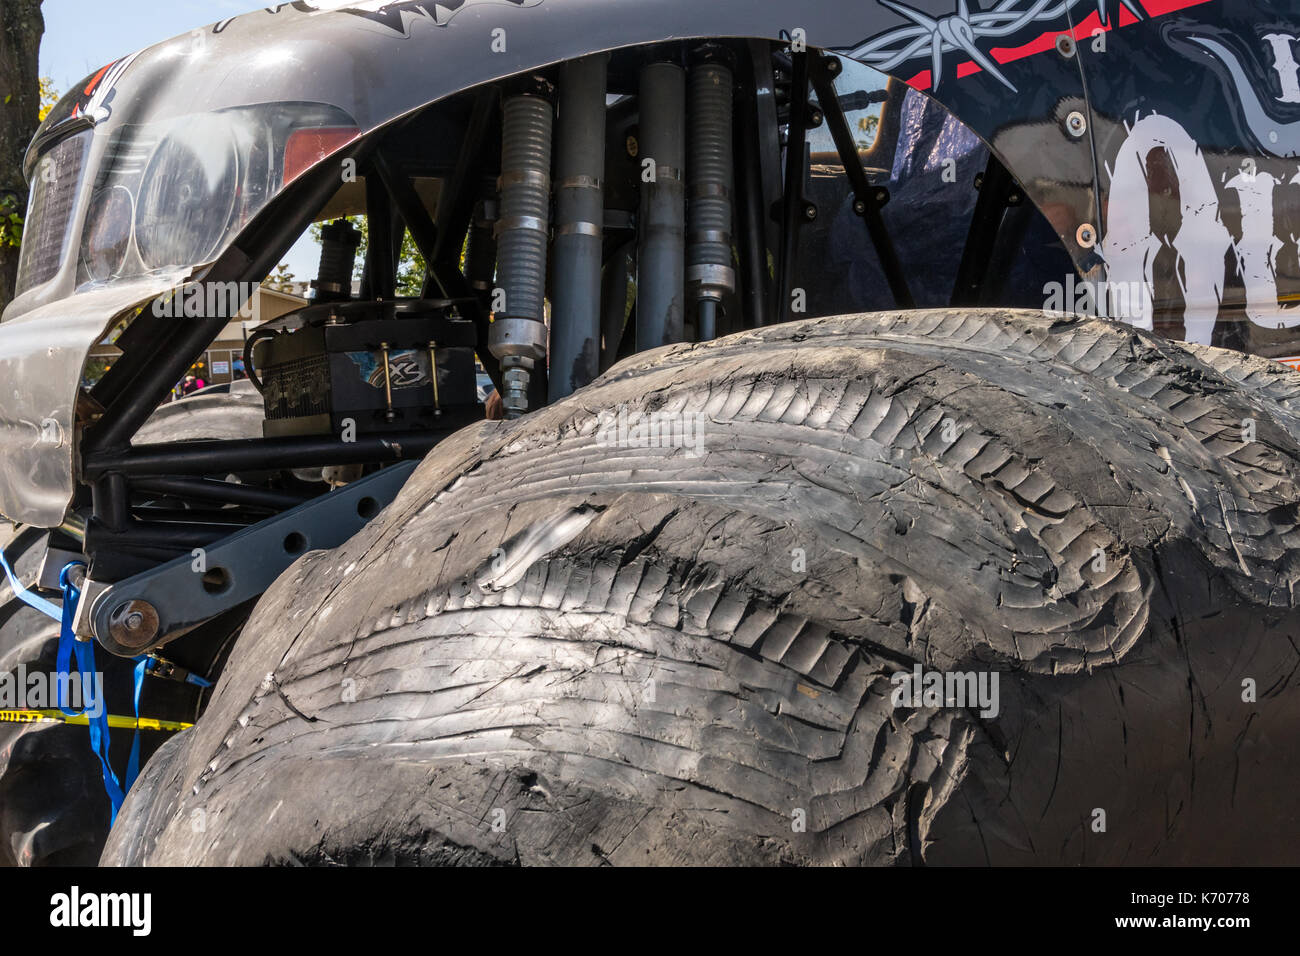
(83, 35)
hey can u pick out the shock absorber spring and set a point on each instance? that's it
(339, 241)
(709, 271)
(518, 336)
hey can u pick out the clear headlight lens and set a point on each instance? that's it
(187, 194)
(172, 195)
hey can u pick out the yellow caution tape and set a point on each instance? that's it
(57, 716)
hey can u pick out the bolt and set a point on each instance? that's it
(1075, 124)
(810, 212)
(859, 206)
(1065, 45)
(1086, 236)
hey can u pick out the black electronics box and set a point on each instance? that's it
(375, 375)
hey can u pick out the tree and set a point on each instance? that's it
(49, 98)
(21, 28)
(281, 279)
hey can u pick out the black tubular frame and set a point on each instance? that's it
(795, 208)
(868, 200)
(750, 208)
(385, 230)
(212, 490)
(998, 192)
(213, 457)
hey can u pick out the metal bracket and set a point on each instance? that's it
(146, 611)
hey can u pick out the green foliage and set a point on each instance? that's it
(49, 97)
(11, 222)
(11, 216)
(281, 279)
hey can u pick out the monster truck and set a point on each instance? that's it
(896, 466)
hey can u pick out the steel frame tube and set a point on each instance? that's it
(661, 255)
(211, 457)
(579, 225)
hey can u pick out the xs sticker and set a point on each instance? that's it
(406, 369)
(396, 15)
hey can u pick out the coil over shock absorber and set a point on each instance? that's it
(518, 336)
(709, 270)
(339, 241)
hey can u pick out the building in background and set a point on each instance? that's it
(220, 363)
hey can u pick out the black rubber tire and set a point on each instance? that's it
(549, 650)
(53, 808)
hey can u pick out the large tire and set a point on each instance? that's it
(53, 808)
(551, 650)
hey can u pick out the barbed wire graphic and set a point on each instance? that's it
(959, 31)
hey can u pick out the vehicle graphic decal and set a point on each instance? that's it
(396, 15)
(932, 36)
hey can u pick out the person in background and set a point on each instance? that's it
(192, 384)
(237, 368)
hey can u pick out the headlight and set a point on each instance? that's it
(174, 194)
(187, 194)
(108, 235)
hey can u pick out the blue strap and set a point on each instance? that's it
(48, 608)
(85, 652)
(68, 644)
(133, 765)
